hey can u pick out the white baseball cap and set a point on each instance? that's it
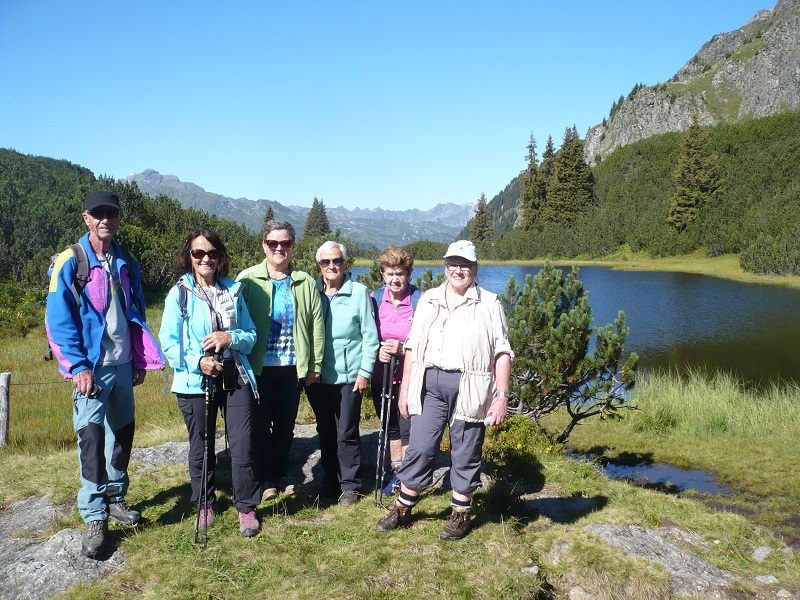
(462, 248)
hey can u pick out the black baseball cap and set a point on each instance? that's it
(101, 198)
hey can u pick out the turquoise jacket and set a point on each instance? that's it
(181, 340)
(351, 337)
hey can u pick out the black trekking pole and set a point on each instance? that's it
(209, 383)
(383, 433)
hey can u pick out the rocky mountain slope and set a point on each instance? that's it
(748, 73)
(378, 227)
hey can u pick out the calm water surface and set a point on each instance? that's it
(679, 319)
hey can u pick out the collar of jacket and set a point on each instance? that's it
(345, 290)
(261, 272)
(473, 294)
(116, 250)
(187, 279)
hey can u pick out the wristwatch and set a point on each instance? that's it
(505, 395)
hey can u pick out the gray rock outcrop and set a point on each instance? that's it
(751, 72)
(689, 575)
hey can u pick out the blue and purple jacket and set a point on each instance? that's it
(76, 324)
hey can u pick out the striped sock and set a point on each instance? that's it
(407, 500)
(460, 505)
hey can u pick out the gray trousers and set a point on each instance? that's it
(439, 395)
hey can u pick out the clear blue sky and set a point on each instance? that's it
(372, 104)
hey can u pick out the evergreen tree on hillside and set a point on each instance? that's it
(696, 177)
(547, 159)
(269, 215)
(481, 227)
(531, 191)
(569, 189)
(317, 220)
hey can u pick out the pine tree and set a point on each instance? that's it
(550, 329)
(696, 177)
(269, 215)
(569, 189)
(481, 226)
(317, 220)
(547, 159)
(530, 194)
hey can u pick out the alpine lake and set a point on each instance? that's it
(680, 320)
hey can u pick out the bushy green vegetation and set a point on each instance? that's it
(633, 187)
(41, 201)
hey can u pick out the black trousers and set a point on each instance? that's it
(276, 413)
(337, 409)
(237, 409)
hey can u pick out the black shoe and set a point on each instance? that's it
(94, 539)
(457, 525)
(398, 516)
(349, 497)
(122, 513)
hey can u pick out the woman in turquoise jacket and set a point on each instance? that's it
(351, 345)
(206, 331)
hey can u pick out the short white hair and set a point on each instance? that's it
(330, 245)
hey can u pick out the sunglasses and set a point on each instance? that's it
(327, 262)
(273, 244)
(200, 254)
(455, 266)
(104, 213)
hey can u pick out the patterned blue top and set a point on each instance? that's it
(280, 347)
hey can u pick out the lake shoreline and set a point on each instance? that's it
(725, 266)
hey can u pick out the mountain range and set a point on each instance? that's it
(747, 73)
(374, 226)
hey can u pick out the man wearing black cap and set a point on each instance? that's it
(96, 326)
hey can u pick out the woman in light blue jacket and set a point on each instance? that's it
(206, 331)
(351, 345)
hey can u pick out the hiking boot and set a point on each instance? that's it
(94, 539)
(457, 525)
(288, 489)
(205, 518)
(270, 492)
(248, 524)
(392, 486)
(349, 497)
(398, 516)
(123, 513)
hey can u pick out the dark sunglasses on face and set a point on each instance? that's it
(273, 244)
(200, 254)
(326, 262)
(104, 213)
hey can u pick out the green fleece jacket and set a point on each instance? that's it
(309, 328)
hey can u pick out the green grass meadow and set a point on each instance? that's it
(311, 550)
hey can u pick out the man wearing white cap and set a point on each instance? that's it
(457, 370)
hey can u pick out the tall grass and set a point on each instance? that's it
(40, 419)
(695, 404)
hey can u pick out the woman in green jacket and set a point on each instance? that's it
(287, 355)
(351, 345)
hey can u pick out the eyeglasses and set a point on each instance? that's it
(456, 266)
(200, 254)
(104, 213)
(326, 262)
(273, 244)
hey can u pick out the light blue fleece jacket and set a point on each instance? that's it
(181, 342)
(351, 337)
